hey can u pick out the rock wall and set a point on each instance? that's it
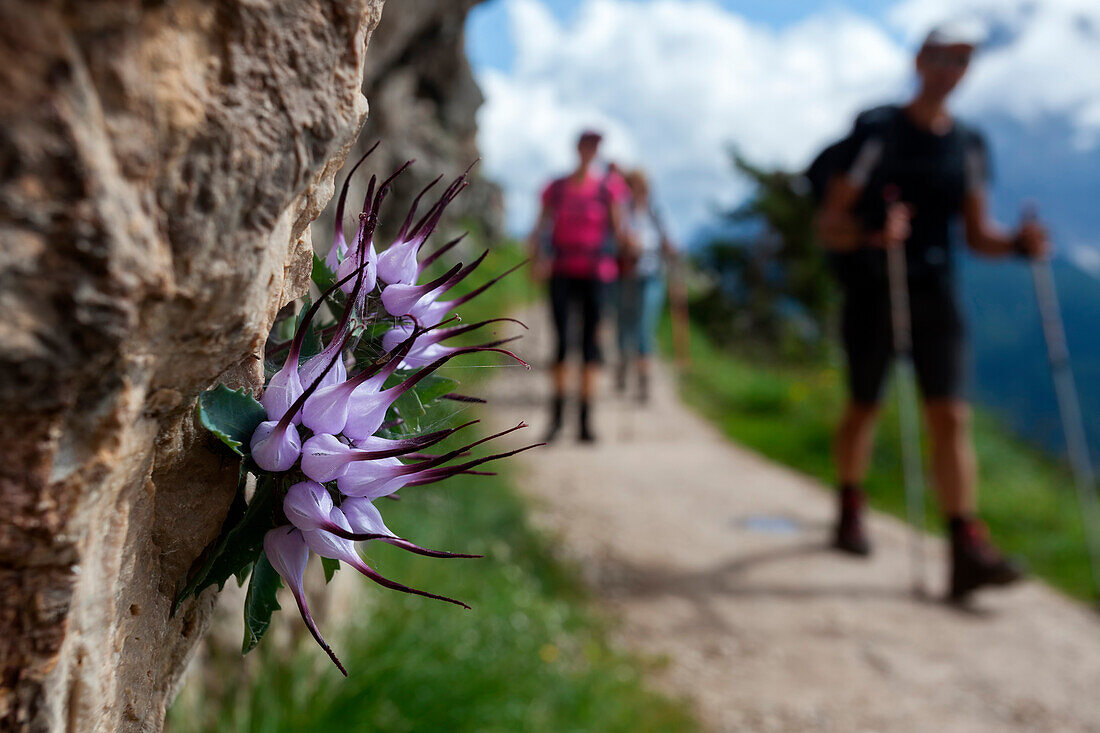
(160, 162)
(424, 103)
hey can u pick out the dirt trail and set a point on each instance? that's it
(715, 558)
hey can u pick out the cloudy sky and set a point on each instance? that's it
(675, 83)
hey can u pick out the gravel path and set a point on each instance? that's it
(714, 558)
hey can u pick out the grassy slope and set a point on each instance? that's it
(788, 414)
(529, 656)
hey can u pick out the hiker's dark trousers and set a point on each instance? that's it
(940, 353)
(581, 294)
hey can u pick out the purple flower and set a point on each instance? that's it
(367, 410)
(287, 552)
(326, 458)
(398, 263)
(307, 505)
(282, 390)
(327, 544)
(275, 445)
(427, 347)
(422, 302)
(339, 245)
(364, 518)
(376, 479)
(328, 409)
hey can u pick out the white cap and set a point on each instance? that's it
(960, 32)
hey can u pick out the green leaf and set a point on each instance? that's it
(231, 415)
(323, 277)
(240, 542)
(311, 339)
(242, 575)
(259, 603)
(330, 566)
(432, 387)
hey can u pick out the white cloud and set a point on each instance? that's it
(674, 82)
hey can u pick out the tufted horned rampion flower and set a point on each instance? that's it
(336, 434)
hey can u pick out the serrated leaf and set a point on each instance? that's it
(259, 602)
(231, 415)
(323, 277)
(330, 567)
(239, 543)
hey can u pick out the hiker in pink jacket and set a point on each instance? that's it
(582, 212)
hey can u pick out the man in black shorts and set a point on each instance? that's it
(939, 168)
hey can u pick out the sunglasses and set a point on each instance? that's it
(947, 59)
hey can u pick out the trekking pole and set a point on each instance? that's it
(1069, 407)
(908, 417)
(681, 323)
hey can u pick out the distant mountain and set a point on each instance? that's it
(1038, 162)
(1011, 372)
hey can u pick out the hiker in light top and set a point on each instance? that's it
(939, 168)
(583, 212)
(641, 290)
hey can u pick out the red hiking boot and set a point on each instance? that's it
(975, 562)
(850, 536)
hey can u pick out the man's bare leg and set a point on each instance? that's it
(954, 468)
(974, 561)
(854, 439)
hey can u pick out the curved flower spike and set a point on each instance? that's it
(431, 313)
(427, 261)
(375, 479)
(367, 411)
(339, 244)
(363, 257)
(427, 348)
(288, 554)
(402, 299)
(282, 389)
(398, 263)
(438, 474)
(328, 409)
(329, 545)
(325, 457)
(363, 516)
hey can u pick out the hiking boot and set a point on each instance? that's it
(643, 389)
(585, 435)
(557, 405)
(620, 377)
(850, 536)
(975, 562)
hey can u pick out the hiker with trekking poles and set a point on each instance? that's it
(641, 287)
(574, 246)
(890, 195)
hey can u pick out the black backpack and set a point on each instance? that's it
(826, 165)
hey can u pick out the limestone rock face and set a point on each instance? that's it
(424, 103)
(160, 163)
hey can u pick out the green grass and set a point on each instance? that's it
(788, 413)
(529, 656)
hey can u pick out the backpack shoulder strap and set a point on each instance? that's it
(557, 192)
